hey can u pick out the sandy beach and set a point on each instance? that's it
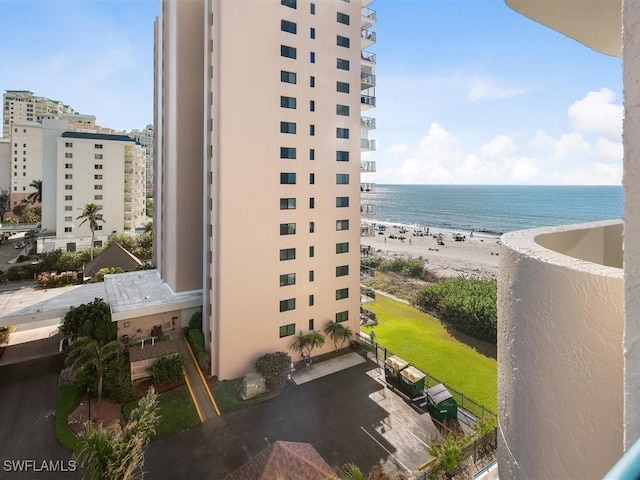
(476, 256)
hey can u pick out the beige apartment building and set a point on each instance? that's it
(145, 138)
(258, 167)
(23, 106)
(5, 164)
(26, 158)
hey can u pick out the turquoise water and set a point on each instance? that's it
(495, 209)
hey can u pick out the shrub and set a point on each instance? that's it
(408, 268)
(90, 320)
(372, 262)
(275, 368)
(99, 276)
(52, 280)
(49, 260)
(195, 322)
(167, 369)
(5, 333)
(117, 379)
(23, 272)
(196, 340)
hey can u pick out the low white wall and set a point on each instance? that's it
(560, 363)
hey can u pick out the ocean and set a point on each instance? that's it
(493, 209)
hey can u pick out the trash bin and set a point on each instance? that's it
(441, 403)
(392, 368)
(412, 382)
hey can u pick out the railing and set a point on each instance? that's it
(368, 79)
(628, 466)
(368, 56)
(368, 123)
(368, 16)
(367, 317)
(368, 100)
(367, 209)
(367, 294)
(367, 230)
(368, 36)
(367, 187)
(368, 166)
(366, 144)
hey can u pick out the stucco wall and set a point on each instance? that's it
(560, 384)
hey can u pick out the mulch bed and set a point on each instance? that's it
(105, 412)
(143, 386)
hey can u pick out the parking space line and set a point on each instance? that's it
(383, 447)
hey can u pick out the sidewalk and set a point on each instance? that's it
(201, 394)
(321, 369)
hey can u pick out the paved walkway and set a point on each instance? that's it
(321, 369)
(201, 394)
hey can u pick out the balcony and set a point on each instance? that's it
(368, 38)
(368, 187)
(367, 123)
(367, 18)
(367, 58)
(367, 101)
(367, 80)
(364, 3)
(367, 145)
(366, 273)
(367, 294)
(560, 315)
(367, 317)
(367, 230)
(368, 166)
(367, 209)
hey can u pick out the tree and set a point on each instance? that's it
(89, 353)
(306, 342)
(275, 368)
(90, 213)
(338, 333)
(119, 454)
(35, 197)
(4, 205)
(91, 320)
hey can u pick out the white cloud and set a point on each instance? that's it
(499, 147)
(398, 149)
(483, 90)
(596, 113)
(570, 145)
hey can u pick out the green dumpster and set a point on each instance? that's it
(412, 382)
(441, 403)
(393, 366)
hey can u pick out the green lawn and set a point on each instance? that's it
(228, 400)
(66, 400)
(177, 411)
(423, 341)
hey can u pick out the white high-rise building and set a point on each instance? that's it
(258, 166)
(26, 158)
(145, 138)
(23, 106)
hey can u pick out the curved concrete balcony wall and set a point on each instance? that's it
(560, 362)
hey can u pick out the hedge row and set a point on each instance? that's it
(196, 340)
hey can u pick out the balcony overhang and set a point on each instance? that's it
(594, 23)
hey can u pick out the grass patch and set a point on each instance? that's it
(229, 400)
(67, 400)
(423, 341)
(397, 285)
(177, 412)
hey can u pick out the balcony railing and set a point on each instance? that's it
(368, 187)
(367, 317)
(367, 80)
(368, 123)
(367, 294)
(367, 209)
(367, 101)
(368, 37)
(368, 166)
(367, 230)
(366, 273)
(367, 145)
(368, 56)
(368, 17)
(364, 3)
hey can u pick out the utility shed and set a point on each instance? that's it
(441, 403)
(393, 366)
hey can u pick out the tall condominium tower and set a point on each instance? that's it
(23, 106)
(258, 166)
(145, 138)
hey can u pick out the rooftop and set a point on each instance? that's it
(98, 136)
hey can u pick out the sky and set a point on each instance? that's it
(468, 91)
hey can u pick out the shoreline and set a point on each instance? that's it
(476, 256)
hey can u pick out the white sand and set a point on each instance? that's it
(476, 256)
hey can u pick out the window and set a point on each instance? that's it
(68, 165)
(342, 179)
(287, 127)
(287, 279)
(312, 227)
(288, 27)
(68, 208)
(312, 57)
(342, 18)
(68, 229)
(68, 176)
(98, 146)
(287, 178)
(287, 229)
(287, 204)
(287, 77)
(342, 133)
(98, 166)
(312, 179)
(288, 304)
(97, 187)
(312, 154)
(342, 41)
(312, 130)
(312, 251)
(342, 202)
(312, 8)
(342, 293)
(311, 324)
(68, 144)
(289, 3)
(342, 87)
(68, 155)
(312, 105)
(342, 316)
(68, 187)
(287, 330)
(312, 32)
(98, 227)
(287, 102)
(287, 152)
(311, 275)
(342, 64)
(311, 300)
(97, 176)
(97, 156)
(287, 254)
(68, 197)
(97, 197)
(342, 110)
(312, 81)
(289, 52)
(68, 219)
(342, 270)
(312, 203)
(342, 247)
(342, 156)
(342, 225)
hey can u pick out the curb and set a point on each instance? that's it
(193, 397)
(206, 385)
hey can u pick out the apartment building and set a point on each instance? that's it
(5, 164)
(145, 138)
(23, 106)
(26, 158)
(264, 155)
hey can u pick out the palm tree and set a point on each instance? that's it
(306, 342)
(114, 454)
(90, 214)
(88, 352)
(352, 472)
(338, 333)
(35, 197)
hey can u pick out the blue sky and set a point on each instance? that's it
(468, 91)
